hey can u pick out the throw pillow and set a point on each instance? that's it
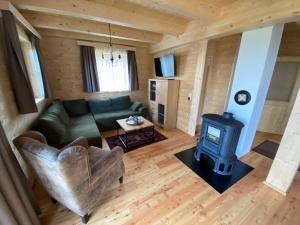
(135, 106)
(76, 107)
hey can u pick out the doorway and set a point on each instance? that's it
(282, 92)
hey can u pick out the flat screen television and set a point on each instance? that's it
(165, 66)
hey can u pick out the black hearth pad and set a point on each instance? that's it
(203, 169)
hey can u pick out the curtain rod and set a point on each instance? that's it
(104, 44)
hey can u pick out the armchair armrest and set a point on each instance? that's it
(35, 135)
(144, 111)
(105, 160)
(81, 141)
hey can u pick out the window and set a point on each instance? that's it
(113, 77)
(32, 65)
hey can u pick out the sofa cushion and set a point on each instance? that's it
(82, 126)
(120, 103)
(135, 106)
(58, 109)
(100, 105)
(107, 121)
(50, 125)
(81, 120)
(120, 114)
(76, 107)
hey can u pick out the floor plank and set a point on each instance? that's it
(160, 189)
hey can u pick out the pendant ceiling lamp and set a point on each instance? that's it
(110, 46)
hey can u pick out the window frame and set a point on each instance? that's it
(32, 65)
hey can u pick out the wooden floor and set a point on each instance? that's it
(159, 189)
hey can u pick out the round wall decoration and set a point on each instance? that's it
(242, 97)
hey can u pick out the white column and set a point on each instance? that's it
(253, 72)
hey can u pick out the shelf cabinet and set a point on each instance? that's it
(163, 101)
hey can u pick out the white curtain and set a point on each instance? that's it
(113, 77)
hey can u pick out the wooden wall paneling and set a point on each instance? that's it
(105, 45)
(290, 44)
(287, 160)
(231, 75)
(272, 119)
(219, 76)
(288, 59)
(186, 69)
(62, 63)
(279, 111)
(292, 98)
(208, 67)
(198, 87)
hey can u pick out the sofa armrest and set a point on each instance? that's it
(143, 111)
(81, 141)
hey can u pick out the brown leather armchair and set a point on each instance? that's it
(76, 175)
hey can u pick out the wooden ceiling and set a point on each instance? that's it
(161, 23)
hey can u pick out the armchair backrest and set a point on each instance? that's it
(64, 173)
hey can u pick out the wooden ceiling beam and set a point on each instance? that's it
(47, 21)
(235, 21)
(88, 37)
(193, 9)
(138, 17)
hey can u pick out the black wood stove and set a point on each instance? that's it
(218, 140)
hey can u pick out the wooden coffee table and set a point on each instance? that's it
(132, 129)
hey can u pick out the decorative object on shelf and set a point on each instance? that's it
(242, 97)
(134, 120)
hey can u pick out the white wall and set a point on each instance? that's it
(256, 59)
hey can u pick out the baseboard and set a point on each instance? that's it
(275, 188)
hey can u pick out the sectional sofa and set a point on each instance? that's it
(64, 121)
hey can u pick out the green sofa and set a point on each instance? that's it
(107, 111)
(64, 121)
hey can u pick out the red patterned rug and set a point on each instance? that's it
(136, 140)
